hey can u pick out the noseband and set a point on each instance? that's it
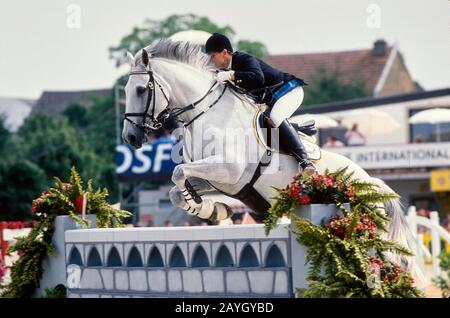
(156, 123)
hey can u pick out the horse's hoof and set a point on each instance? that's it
(221, 212)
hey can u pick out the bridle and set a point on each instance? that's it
(156, 123)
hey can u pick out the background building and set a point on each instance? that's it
(410, 157)
(381, 68)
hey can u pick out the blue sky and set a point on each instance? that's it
(38, 51)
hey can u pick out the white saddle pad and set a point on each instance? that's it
(313, 150)
(311, 147)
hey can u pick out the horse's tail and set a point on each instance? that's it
(400, 232)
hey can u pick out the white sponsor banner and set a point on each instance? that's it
(398, 156)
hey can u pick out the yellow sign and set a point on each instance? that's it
(440, 180)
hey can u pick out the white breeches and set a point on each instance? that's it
(286, 106)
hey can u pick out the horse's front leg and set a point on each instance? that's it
(211, 169)
(206, 209)
(185, 200)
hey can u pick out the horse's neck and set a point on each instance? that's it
(187, 85)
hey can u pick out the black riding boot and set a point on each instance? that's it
(290, 140)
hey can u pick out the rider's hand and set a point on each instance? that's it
(222, 77)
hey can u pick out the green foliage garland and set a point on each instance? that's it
(347, 256)
(62, 199)
(444, 282)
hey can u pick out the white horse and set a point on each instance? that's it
(223, 145)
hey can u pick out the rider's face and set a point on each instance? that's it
(221, 59)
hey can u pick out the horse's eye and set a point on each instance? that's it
(140, 89)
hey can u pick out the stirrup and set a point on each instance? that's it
(307, 168)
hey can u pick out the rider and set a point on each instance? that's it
(250, 73)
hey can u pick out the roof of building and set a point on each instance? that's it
(371, 102)
(54, 102)
(366, 65)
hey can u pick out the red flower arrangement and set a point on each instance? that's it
(336, 187)
(341, 226)
(338, 226)
(321, 188)
(39, 205)
(375, 265)
(389, 273)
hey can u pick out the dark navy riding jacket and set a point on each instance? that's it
(251, 73)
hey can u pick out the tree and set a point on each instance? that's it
(253, 47)
(53, 145)
(5, 141)
(76, 114)
(5, 135)
(101, 137)
(20, 179)
(82, 137)
(9, 147)
(326, 86)
(20, 182)
(152, 29)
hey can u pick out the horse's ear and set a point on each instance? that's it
(130, 59)
(145, 59)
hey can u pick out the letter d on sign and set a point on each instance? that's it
(127, 159)
(269, 307)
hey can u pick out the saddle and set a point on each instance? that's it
(308, 128)
(306, 131)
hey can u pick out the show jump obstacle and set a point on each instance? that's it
(215, 261)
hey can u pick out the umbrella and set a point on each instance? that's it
(434, 116)
(193, 36)
(322, 121)
(370, 122)
(431, 116)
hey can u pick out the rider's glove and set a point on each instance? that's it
(222, 77)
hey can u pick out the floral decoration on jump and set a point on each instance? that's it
(63, 199)
(349, 255)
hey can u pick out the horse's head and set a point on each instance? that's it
(146, 101)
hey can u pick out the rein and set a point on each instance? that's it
(253, 93)
(156, 123)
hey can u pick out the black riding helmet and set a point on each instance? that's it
(217, 43)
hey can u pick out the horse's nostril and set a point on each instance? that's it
(132, 138)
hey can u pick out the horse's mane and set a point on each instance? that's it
(181, 51)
